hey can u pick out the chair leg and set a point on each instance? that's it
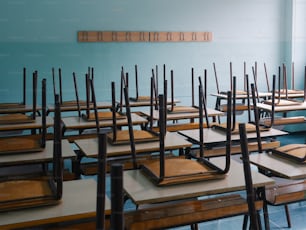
(245, 222)
(288, 215)
(194, 227)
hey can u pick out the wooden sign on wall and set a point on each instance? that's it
(143, 36)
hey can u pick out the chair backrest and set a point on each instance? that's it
(130, 124)
(123, 80)
(136, 82)
(162, 134)
(34, 96)
(304, 84)
(76, 94)
(273, 101)
(44, 113)
(88, 81)
(24, 85)
(248, 178)
(256, 117)
(60, 93)
(172, 89)
(216, 78)
(60, 85)
(202, 104)
(92, 88)
(114, 119)
(202, 109)
(254, 70)
(57, 149)
(267, 78)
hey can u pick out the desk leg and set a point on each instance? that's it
(76, 164)
(262, 195)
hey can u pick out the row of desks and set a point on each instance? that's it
(79, 196)
(138, 188)
(142, 191)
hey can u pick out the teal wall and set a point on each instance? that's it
(41, 34)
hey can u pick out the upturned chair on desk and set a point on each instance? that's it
(27, 143)
(21, 104)
(178, 170)
(180, 108)
(17, 118)
(91, 106)
(130, 135)
(66, 103)
(270, 119)
(283, 193)
(137, 96)
(192, 212)
(25, 191)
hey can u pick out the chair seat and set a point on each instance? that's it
(19, 194)
(103, 115)
(123, 136)
(11, 105)
(180, 170)
(140, 98)
(183, 109)
(73, 103)
(294, 151)
(22, 144)
(15, 118)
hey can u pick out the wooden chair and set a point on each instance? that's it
(124, 136)
(181, 170)
(102, 115)
(27, 143)
(137, 96)
(250, 126)
(278, 101)
(270, 120)
(285, 90)
(282, 193)
(191, 212)
(25, 192)
(18, 118)
(21, 104)
(181, 108)
(67, 103)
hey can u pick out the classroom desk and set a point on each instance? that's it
(241, 97)
(142, 191)
(279, 166)
(215, 136)
(223, 96)
(173, 141)
(78, 202)
(77, 123)
(30, 125)
(284, 109)
(179, 116)
(44, 156)
(71, 108)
